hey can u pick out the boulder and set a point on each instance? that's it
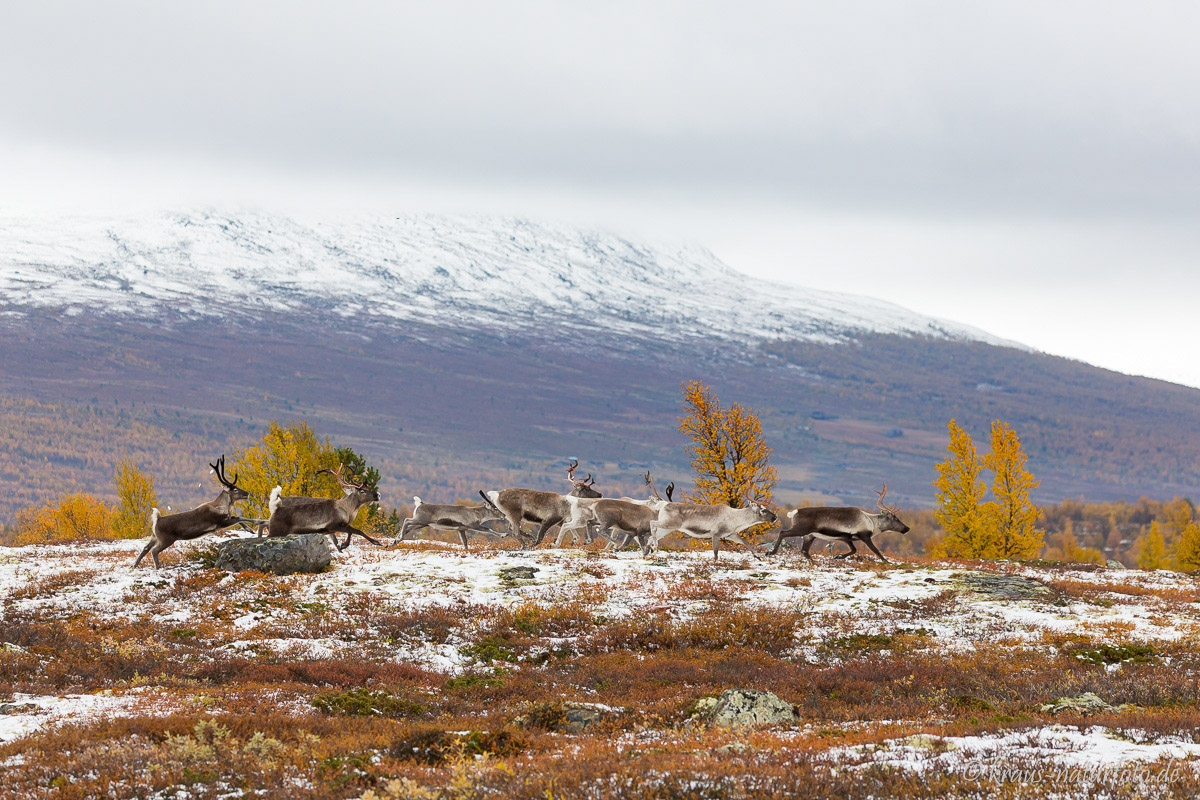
(1003, 587)
(737, 708)
(514, 574)
(284, 555)
(1086, 703)
(1112, 563)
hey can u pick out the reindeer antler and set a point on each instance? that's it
(219, 469)
(883, 506)
(338, 474)
(650, 483)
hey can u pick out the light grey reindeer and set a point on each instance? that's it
(608, 517)
(546, 508)
(842, 524)
(215, 515)
(460, 519)
(704, 521)
(325, 515)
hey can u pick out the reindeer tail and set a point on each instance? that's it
(416, 503)
(275, 500)
(154, 514)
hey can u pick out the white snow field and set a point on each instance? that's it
(462, 271)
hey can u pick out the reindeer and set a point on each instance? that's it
(546, 508)
(842, 524)
(703, 521)
(324, 515)
(277, 498)
(629, 515)
(460, 519)
(213, 516)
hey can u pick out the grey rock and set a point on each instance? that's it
(737, 708)
(17, 708)
(511, 574)
(1086, 703)
(1114, 564)
(285, 555)
(1003, 587)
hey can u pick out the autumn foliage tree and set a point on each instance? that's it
(293, 457)
(729, 455)
(73, 518)
(960, 492)
(1011, 519)
(136, 497)
(1004, 527)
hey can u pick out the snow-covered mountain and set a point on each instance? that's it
(463, 272)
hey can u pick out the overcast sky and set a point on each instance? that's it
(1029, 168)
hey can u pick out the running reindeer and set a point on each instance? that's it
(213, 516)
(842, 524)
(546, 508)
(324, 515)
(617, 520)
(716, 521)
(460, 519)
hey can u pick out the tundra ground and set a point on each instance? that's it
(424, 671)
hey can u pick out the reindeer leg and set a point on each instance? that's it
(546, 525)
(716, 547)
(158, 548)
(808, 542)
(874, 549)
(853, 550)
(778, 543)
(145, 550)
(462, 534)
(350, 530)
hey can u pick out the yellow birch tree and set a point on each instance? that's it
(729, 455)
(1187, 547)
(1151, 550)
(136, 495)
(960, 492)
(1011, 518)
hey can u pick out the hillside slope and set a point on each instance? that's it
(461, 353)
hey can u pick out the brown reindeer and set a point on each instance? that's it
(545, 508)
(324, 515)
(842, 524)
(215, 515)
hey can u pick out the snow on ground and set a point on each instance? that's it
(839, 595)
(1093, 747)
(28, 713)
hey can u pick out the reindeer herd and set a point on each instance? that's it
(583, 513)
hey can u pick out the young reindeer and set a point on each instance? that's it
(546, 508)
(460, 519)
(703, 521)
(842, 524)
(213, 516)
(625, 515)
(325, 515)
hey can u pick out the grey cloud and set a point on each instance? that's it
(1016, 108)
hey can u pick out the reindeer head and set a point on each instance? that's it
(236, 494)
(583, 488)
(361, 493)
(763, 513)
(887, 514)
